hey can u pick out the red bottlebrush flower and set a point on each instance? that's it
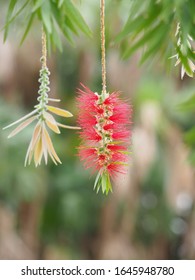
(112, 99)
(91, 134)
(113, 168)
(105, 123)
(108, 126)
(115, 147)
(91, 120)
(122, 135)
(119, 157)
(120, 114)
(89, 152)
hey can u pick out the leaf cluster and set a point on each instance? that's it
(103, 181)
(55, 15)
(152, 24)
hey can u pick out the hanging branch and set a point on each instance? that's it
(105, 121)
(41, 145)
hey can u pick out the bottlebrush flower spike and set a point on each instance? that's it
(105, 122)
(41, 145)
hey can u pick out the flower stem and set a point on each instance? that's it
(103, 50)
(44, 49)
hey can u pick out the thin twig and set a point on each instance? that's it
(103, 51)
(44, 49)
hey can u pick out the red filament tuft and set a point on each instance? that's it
(105, 124)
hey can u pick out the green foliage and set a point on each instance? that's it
(103, 182)
(152, 25)
(151, 223)
(188, 107)
(55, 15)
(71, 210)
(155, 216)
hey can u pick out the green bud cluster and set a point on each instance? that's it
(43, 91)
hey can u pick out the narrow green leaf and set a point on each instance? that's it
(99, 184)
(70, 25)
(8, 16)
(136, 25)
(191, 54)
(46, 15)
(56, 41)
(96, 180)
(129, 27)
(67, 34)
(108, 184)
(60, 2)
(73, 13)
(37, 5)
(149, 52)
(154, 44)
(145, 38)
(29, 24)
(104, 183)
(13, 18)
(61, 23)
(185, 62)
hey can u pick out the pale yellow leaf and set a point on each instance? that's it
(28, 154)
(53, 159)
(21, 126)
(38, 152)
(51, 122)
(51, 149)
(54, 99)
(36, 134)
(53, 127)
(68, 126)
(21, 119)
(32, 144)
(59, 112)
(44, 143)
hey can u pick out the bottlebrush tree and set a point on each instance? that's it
(162, 29)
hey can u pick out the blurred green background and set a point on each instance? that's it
(52, 212)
